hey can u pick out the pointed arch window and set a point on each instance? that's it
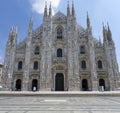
(82, 49)
(35, 65)
(83, 64)
(37, 50)
(100, 66)
(20, 64)
(59, 33)
(59, 52)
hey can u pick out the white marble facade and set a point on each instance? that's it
(60, 55)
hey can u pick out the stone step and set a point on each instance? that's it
(60, 94)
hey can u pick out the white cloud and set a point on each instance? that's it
(38, 5)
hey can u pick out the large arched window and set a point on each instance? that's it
(83, 64)
(37, 50)
(59, 52)
(100, 64)
(36, 65)
(59, 33)
(82, 49)
(20, 65)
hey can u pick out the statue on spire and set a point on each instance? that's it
(30, 27)
(104, 32)
(31, 23)
(88, 21)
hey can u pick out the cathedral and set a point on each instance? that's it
(60, 55)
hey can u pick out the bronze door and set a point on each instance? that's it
(59, 82)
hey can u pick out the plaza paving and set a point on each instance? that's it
(60, 104)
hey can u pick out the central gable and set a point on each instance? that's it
(59, 18)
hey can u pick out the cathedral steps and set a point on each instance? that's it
(59, 94)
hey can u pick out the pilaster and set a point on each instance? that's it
(92, 61)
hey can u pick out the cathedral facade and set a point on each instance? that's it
(60, 55)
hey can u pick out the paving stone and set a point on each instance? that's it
(60, 104)
(106, 111)
(48, 112)
(16, 112)
(3, 111)
(81, 112)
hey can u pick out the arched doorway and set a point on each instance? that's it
(34, 85)
(84, 85)
(59, 82)
(102, 83)
(18, 85)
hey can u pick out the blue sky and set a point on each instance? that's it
(18, 13)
